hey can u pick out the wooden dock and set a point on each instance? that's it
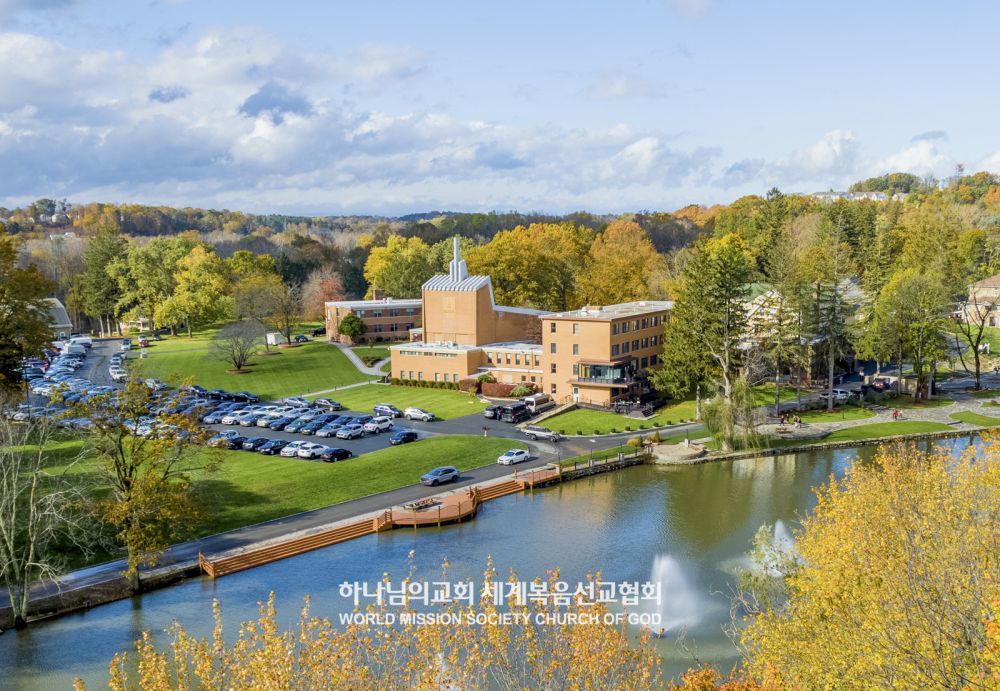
(436, 511)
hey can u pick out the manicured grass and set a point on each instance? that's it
(387, 367)
(907, 402)
(444, 403)
(249, 488)
(986, 393)
(307, 368)
(837, 415)
(363, 351)
(199, 340)
(763, 394)
(586, 421)
(976, 419)
(884, 429)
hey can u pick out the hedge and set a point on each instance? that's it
(497, 390)
(469, 385)
(423, 384)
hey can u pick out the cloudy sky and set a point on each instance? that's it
(396, 106)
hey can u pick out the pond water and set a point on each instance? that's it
(687, 527)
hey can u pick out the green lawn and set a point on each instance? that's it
(371, 351)
(986, 393)
(250, 488)
(311, 367)
(837, 415)
(907, 402)
(586, 421)
(444, 403)
(763, 394)
(976, 419)
(884, 429)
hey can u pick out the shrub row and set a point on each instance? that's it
(422, 384)
(497, 390)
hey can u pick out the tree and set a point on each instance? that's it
(237, 343)
(258, 298)
(894, 580)
(352, 326)
(400, 267)
(620, 265)
(287, 310)
(245, 264)
(100, 293)
(970, 323)
(313, 654)
(150, 498)
(708, 321)
(146, 276)
(322, 286)
(39, 510)
(200, 295)
(24, 314)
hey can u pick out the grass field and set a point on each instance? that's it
(313, 366)
(907, 403)
(838, 414)
(443, 403)
(763, 394)
(885, 429)
(586, 421)
(986, 393)
(379, 352)
(250, 488)
(976, 419)
(200, 339)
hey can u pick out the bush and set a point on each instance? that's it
(628, 428)
(522, 390)
(469, 385)
(486, 379)
(497, 390)
(635, 442)
(655, 437)
(579, 433)
(395, 381)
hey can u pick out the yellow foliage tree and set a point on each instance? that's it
(897, 582)
(621, 265)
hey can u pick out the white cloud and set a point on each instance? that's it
(692, 8)
(622, 85)
(922, 157)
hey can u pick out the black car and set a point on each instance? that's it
(403, 437)
(321, 331)
(236, 443)
(328, 404)
(314, 424)
(245, 397)
(272, 447)
(301, 339)
(334, 454)
(492, 412)
(254, 443)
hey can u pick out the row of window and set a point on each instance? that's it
(575, 329)
(404, 374)
(634, 325)
(379, 328)
(392, 312)
(637, 344)
(505, 359)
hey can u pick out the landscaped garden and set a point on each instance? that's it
(370, 354)
(444, 403)
(290, 371)
(976, 419)
(586, 421)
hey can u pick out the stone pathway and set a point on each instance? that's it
(357, 362)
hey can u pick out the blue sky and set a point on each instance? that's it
(395, 106)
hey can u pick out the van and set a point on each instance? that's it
(514, 413)
(538, 403)
(85, 341)
(74, 349)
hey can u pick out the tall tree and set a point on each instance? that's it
(323, 285)
(709, 317)
(200, 294)
(258, 298)
(24, 314)
(146, 276)
(620, 265)
(400, 267)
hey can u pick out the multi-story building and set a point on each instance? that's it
(385, 319)
(593, 355)
(597, 355)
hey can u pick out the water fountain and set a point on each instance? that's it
(681, 606)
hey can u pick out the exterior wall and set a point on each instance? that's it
(598, 341)
(429, 365)
(514, 365)
(468, 318)
(393, 324)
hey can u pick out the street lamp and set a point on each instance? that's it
(592, 442)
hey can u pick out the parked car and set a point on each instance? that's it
(250, 419)
(332, 453)
(330, 429)
(281, 423)
(310, 450)
(352, 431)
(361, 419)
(301, 339)
(404, 436)
(513, 456)
(448, 473)
(296, 425)
(492, 412)
(236, 442)
(378, 424)
(296, 401)
(321, 331)
(328, 404)
(387, 410)
(254, 443)
(291, 450)
(534, 432)
(272, 447)
(126, 344)
(316, 424)
(839, 395)
(418, 414)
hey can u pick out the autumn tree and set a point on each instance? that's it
(894, 579)
(399, 267)
(236, 343)
(322, 286)
(620, 265)
(201, 292)
(150, 498)
(259, 298)
(245, 264)
(146, 276)
(25, 324)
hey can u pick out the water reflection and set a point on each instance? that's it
(689, 526)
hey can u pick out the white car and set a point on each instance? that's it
(310, 450)
(296, 401)
(418, 414)
(839, 395)
(352, 431)
(514, 456)
(378, 424)
(292, 449)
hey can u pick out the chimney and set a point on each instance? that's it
(378, 294)
(457, 270)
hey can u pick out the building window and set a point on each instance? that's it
(576, 390)
(635, 344)
(576, 370)
(625, 347)
(376, 313)
(393, 327)
(552, 327)
(614, 350)
(392, 313)
(524, 378)
(645, 363)
(437, 377)
(625, 327)
(614, 329)
(645, 322)
(411, 374)
(532, 379)
(489, 358)
(552, 347)
(508, 358)
(553, 389)
(576, 329)
(553, 368)
(409, 310)
(360, 313)
(653, 360)
(656, 321)
(576, 349)
(645, 342)
(420, 376)
(517, 358)
(635, 325)
(538, 361)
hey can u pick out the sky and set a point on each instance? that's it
(396, 106)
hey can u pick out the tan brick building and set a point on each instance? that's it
(385, 319)
(592, 355)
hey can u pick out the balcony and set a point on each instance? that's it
(604, 381)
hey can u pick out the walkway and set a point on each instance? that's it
(374, 370)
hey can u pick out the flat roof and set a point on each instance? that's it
(609, 312)
(384, 302)
(461, 347)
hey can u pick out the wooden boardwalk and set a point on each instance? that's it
(436, 511)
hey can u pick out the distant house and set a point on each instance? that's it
(385, 319)
(58, 318)
(983, 302)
